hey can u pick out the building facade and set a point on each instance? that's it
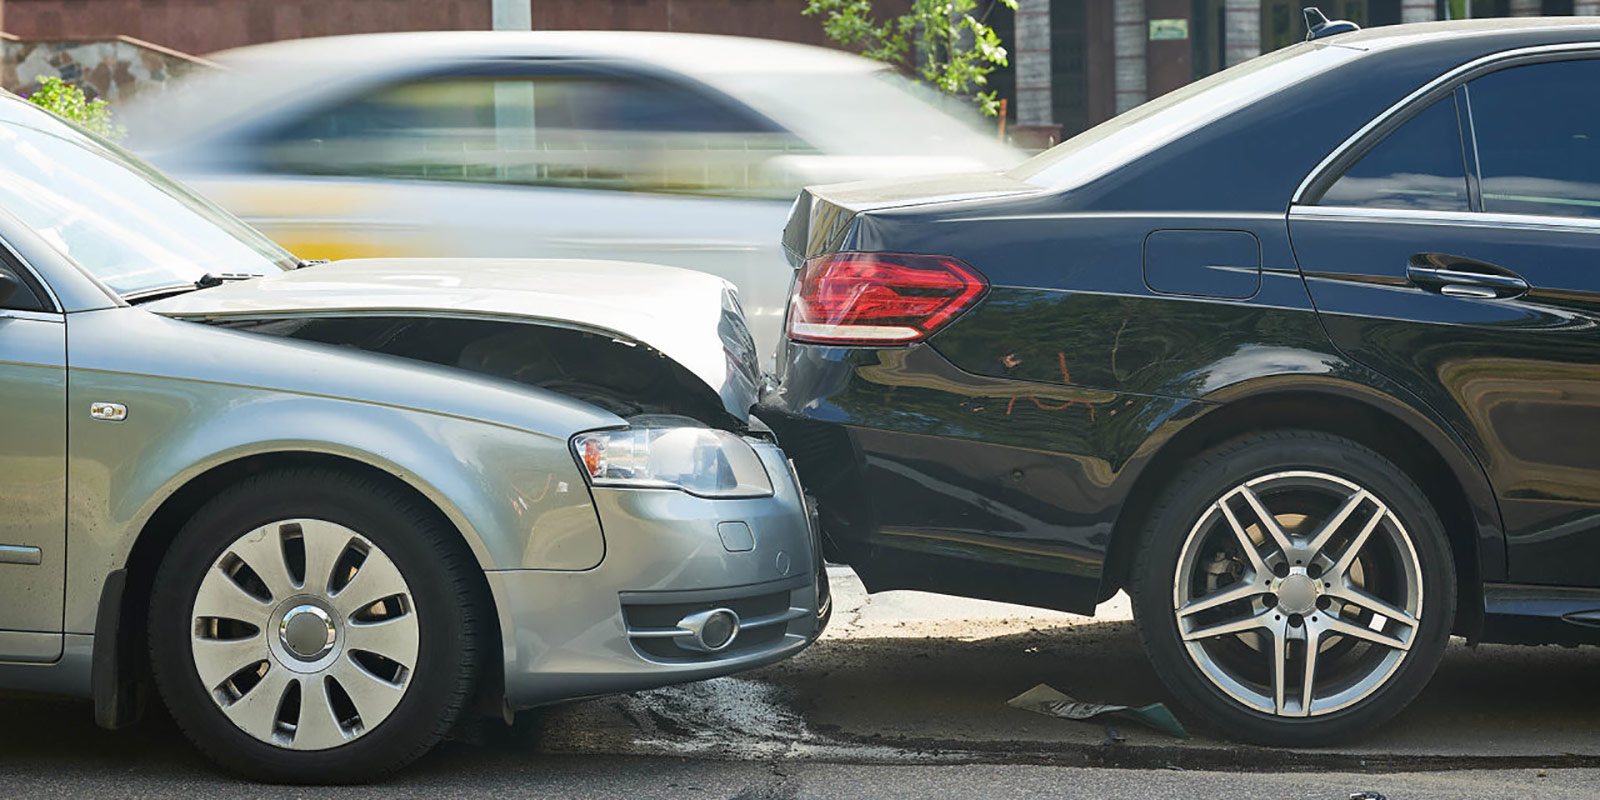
(1080, 62)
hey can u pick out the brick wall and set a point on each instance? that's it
(204, 26)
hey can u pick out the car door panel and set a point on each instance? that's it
(1434, 298)
(32, 484)
(1519, 378)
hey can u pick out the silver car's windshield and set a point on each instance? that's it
(116, 217)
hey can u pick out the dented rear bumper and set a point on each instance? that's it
(929, 477)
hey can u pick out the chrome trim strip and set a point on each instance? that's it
(1408, 100)
(36, 316)
(1269, 216)
(18, 554)
(744, 624)
(1480, 219)
(1475, 176)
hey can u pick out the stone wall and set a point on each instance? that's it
(116, 68)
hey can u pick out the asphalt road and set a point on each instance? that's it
(50, 749)
(905, 697)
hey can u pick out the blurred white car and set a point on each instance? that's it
(676, 149)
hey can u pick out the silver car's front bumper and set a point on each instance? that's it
(607, 629)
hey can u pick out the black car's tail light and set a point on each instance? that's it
(879, 298)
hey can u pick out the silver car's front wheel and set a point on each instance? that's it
(1294, 587)
(305, 634)
(309, 625)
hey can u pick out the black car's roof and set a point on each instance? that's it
(1470, 32)
(1299, 104)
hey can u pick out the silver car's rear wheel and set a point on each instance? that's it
(305, 634)
(1298, 593)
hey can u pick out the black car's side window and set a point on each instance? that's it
(1538, 136)
(1419, 165)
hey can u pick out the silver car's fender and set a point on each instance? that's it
(493, 456)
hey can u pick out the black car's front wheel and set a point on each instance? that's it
(1295, 588)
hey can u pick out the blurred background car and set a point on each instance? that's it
(676, 149)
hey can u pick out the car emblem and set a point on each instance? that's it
(111, 412)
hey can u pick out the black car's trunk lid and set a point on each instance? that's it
(822, 214)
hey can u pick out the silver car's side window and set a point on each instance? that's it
(576, 131)
(20, 290)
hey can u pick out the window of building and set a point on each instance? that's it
(1538, 139)
(1419, 165)
(594, 132)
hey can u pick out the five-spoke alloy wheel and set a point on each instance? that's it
(1294, 587)
(309, 626)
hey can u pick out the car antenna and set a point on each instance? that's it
(1318, 25)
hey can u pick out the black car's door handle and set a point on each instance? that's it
(1463, 277)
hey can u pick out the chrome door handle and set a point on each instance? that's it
(1463, 277)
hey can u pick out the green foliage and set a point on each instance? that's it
(949, 47)
(68, 101)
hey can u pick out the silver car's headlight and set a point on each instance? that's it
(701, 461)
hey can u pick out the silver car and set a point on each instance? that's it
(670, 148)
(327, 509)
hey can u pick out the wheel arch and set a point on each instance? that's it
(129, 626)
(1440, 464)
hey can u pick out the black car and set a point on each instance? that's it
(1305, 356)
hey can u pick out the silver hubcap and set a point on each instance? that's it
(1298, 593)
(304, 634)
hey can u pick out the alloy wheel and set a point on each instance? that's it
(1298, 593)
(304, 633)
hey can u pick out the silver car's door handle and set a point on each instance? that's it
(20, 554)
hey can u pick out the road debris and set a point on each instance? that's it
(1043, 699)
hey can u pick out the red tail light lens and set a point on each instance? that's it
(879, 298)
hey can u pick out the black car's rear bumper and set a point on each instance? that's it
(928, 477)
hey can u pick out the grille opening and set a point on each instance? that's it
(666, 615)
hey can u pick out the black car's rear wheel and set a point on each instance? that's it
(310, 626)
(1294, 587)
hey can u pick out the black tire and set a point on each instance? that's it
(1189, 498)
(444, 590)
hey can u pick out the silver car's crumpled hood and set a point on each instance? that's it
(690, 317)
